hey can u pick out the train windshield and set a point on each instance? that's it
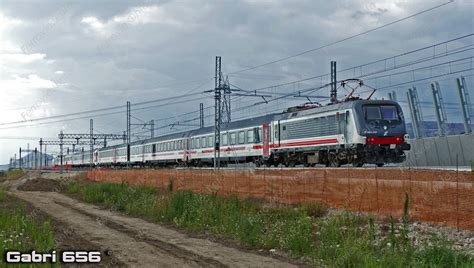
(383, 112)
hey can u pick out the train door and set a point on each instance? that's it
(114, 156)
(186, 149)
(342, 119)
(266, 139)
(143, 153)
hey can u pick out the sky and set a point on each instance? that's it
(61, 57)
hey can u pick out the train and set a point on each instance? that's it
(356, 132)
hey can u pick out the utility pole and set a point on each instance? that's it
(465, 104)
(201, 115)
(92, 143)
(36, 157)
(41, 152)
(20, 159)
(333, 82)
(45, 157)
(152, 128)
(61, 137)
(128, 132)
(225, 102)
(28, 156)
(217, 113)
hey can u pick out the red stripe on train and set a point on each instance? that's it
(298, 143)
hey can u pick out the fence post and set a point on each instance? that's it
(264, 183)
(432, 197)
(348, 187)
(457, 192)
(377, 190)
(249, 185)
(324, 187)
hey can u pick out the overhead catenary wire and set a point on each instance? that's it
(187, 94)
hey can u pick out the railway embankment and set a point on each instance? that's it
(438, 196)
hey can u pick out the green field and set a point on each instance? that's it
(305, 233)
(20, 230)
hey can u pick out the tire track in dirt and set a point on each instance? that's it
(124, 247)
(136, 242)
(161, 245)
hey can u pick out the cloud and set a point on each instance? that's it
(26, 84)
(103, 53)
(21, 58)
(8, 24)
(140, 15)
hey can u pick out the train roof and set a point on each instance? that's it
(250, 122)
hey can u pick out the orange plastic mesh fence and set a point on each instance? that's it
(443, 197)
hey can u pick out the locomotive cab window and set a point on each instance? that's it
(389, 112)
(383, 112)
(372, 113)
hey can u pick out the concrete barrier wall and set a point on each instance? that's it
(443, 197)
(441, 151)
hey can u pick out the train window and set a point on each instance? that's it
(389, 112)
(210, 141)
(250, 136)
(198, 143)
(256, 133)
(193, 143)
(203, 142)
(241, 137)
(224, 139)
(260, 134)
(232, 138)
(372, 113)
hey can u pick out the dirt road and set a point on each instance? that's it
(135, 242)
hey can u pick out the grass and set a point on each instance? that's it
(304, 232)
(12, 174)
(21, 231)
